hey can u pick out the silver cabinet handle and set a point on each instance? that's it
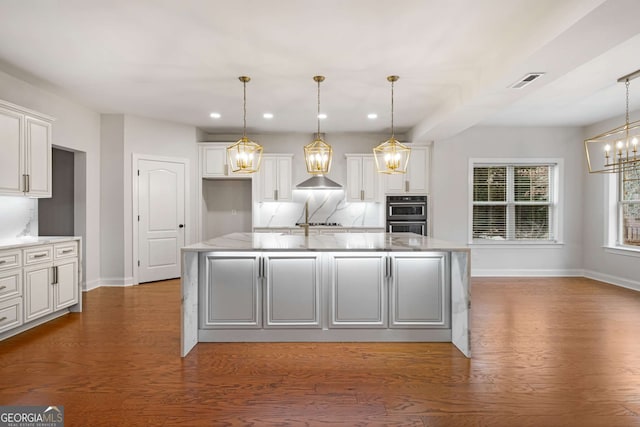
(40, 255)
(406, 186)
(390, 267)
(66, 251)
(55, 275)
(275, 194)
(28, 183)
(226, 169)
(259, 267)
(3, 318)
(2, 287)
(3, 261)
(361, 194)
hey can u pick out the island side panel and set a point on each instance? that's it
(460, 301)
(189, 303)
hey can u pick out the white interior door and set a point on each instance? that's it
(161, 226)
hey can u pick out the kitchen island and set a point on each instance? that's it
(262, 287)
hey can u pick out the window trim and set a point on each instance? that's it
(557, 201)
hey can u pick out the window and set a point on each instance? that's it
(514, 202)
(629, 208)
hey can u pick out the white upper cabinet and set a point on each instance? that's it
(274, 178)
(25, 164)
(214, 162)
(416, 180)
(363, 181)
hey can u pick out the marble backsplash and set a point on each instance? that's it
(18, 217)
(324, 206)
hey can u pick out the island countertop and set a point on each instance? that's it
(387, 242)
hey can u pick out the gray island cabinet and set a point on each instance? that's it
(259, 287)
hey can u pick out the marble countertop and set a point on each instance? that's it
(20, 242)
(325, 242)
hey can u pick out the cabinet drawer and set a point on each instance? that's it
(38, 254)
(10, 314)
(65, 250)
(10, 259)
(10, 284)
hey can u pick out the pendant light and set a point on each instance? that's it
(318, 154)
(244, 156)
(392, 156)
(617, 150)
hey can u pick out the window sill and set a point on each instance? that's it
(515, 245)
(622, 250)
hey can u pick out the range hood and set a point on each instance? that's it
(319, 182)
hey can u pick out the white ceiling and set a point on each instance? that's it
(179, 60)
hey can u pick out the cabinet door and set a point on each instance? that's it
(395, 183)
(38, 291)
(66, 288)
(358, 291)
(12, 158)
(417, 171)
(268, 179)
(231, 291)
(292, 290)
(38, 156)
(354, 179)
(213, 161)
(370, 180)
(419, 292)
(284, 179)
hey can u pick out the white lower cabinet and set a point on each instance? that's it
(324, 291)
(292, 290)
(358, 290)
(38, 291)
(232, 291)
(10, 314)
(66, 286)
(46, 282)
(417, 295)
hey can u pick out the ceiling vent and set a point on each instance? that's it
(526, 80)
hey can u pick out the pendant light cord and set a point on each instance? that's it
(318, 116)
(244, 109)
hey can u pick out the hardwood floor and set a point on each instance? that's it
(547, 352)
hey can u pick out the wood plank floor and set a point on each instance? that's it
(547, 352)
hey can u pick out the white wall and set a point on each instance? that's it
(450, 195)
(76, 128)
(600, 264)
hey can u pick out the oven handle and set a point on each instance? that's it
(405, 222)
(407, 203)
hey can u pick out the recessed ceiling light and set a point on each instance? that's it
(267, 116)
(372, 116)
(215, 115)
(322, 116)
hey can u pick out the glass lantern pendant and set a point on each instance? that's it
(245, 155)
(392, 156)
(318, 154)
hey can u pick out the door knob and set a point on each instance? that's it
(181, 225)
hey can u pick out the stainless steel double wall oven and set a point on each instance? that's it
(407, 214)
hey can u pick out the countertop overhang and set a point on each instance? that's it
(384, 242)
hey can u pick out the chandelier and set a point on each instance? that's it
(244, 156)
(392, 156)
(616, 151)
(318, 154)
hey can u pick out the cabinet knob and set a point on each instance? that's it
(181, 226)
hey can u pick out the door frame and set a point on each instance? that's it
(135, 159)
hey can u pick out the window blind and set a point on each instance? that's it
(513, 202)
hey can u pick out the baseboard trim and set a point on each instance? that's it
(116, 281)
(527, 273)
(613, 280)
(91, 285)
